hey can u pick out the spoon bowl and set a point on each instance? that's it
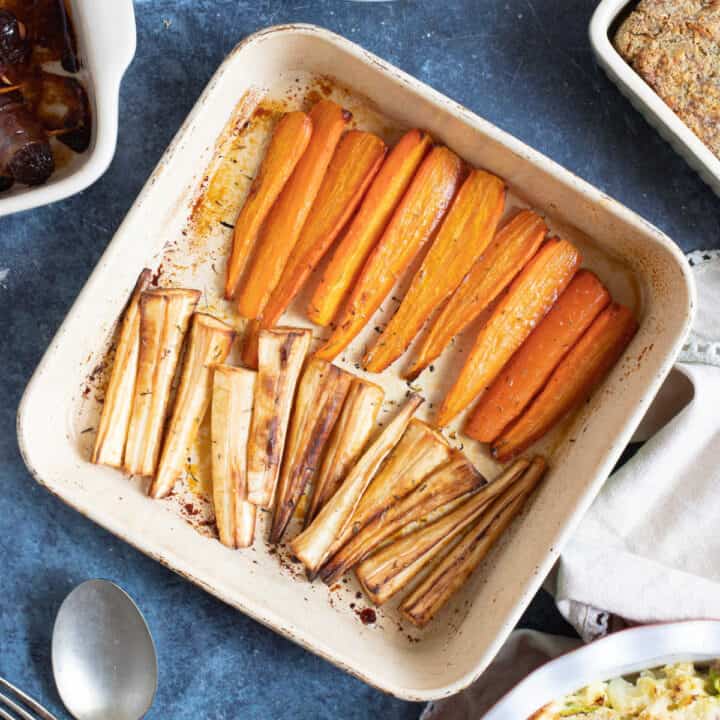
(103, 656)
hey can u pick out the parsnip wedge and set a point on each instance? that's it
(319, 399)
(232, 401)
(115, 418)
(421, 451)
(164, 319)
(347, 441)
(312, 546)
(281, 353)
(395, 566)
(210, 343)
(449, 482)
(456, 567)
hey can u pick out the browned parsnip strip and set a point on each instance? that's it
(285, 222)
(455, 568)
(115, 418)
(368, 224)
(164, 319)
(318, 401)
(232, 400)
(281, 356)
(347, 441)
(421, 450)
(210, 343)
(288, 143)
(311, 547)
(396, 565)
(450, 481)
(465, 232)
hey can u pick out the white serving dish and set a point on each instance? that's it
(619, 654)
(105, 32)
(461, 642)
(682, 139)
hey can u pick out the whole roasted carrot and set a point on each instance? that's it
(572, 381)
(352, 168)
(288, 143)
(533, 363)
(413, 224)
(505, 257)
(287, 217)
(363, 233)
(531, 295)
(464, 234)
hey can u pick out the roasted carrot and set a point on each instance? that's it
(381, 199)
(413, 224)
(352, 168)
(289, 214)
(464, 234)
(572, 381)
(531, 295)
(288, 143)
(531, 366)
(506, 256)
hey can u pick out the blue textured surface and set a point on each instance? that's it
(524, 65)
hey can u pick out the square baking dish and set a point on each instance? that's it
(55, 417)
(654, 109)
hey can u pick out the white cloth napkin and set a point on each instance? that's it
(649, 547)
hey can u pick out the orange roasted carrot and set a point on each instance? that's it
(364, 231)
(354, 165)
(412, 225)
(288, 143)
(287, 217)
(531, 295)
(531, 366)
(572, 381)
(506, 256)
(464, 234)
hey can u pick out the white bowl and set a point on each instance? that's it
(105, 32)
(622, 653)
(682, 139)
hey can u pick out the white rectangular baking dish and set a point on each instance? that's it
(105, 32)
(682, 139)
(456, 648)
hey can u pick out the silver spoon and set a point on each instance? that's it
(103, 656)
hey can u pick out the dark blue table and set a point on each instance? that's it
(523, 64)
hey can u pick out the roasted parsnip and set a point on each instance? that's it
(413, 224)
(528, 300)
(288, 215)
(164, 319)
(455, 568)
(465, 232)
(232, 400)
(313, 544)
(449, 482)
(318, 401)
(281, 356)
(507, 254)
(368, 224)
(347, 441)
(572, 381)
(397, 564)
(210, 343)
(288, 143)
(115, 418)
(421, 450)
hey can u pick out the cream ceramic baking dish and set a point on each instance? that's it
(57, 414)
(682, 139)
(617, 655)
(105, 32)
